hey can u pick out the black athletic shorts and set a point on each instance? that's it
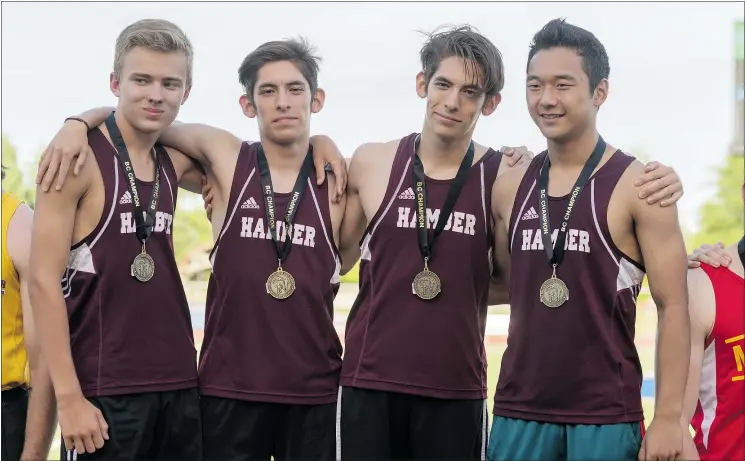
(15, 405)
(377, 425)
(236, 430)
(149, 426)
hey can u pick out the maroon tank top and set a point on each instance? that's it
(257, 348)
(396, 341)
(127, 336)
(575, 364)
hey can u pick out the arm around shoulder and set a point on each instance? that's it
(203, 143)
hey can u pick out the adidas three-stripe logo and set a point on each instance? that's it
(126, 198)
(408, 194)
(530, 214)
(250, 203)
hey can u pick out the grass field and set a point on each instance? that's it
(646, 325)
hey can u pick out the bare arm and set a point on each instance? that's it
(354, 222)
(663, 250)
(41, 415)
(82, 424)
(502, 196)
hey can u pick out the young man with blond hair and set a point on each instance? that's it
(116, 331)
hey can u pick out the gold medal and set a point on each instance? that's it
(426, 284)
(554, 291)
(143, 266)
(280, 284)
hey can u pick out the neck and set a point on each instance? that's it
(139, 144)
(285, 156)
(443, 151)
(574, 152)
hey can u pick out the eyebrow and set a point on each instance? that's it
(148, 76)
(468, 87)
(272, 85)
(556, 77)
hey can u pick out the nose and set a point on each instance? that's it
(283, 101)
(452, 101)
(548, 97)
(155, 93)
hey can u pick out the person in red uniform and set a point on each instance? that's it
(715, 394)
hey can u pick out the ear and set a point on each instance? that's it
(114, 84)
(421, 85)
(490, 105)
(248, 109)
(318, 99)
(186, 95)
(601, 93)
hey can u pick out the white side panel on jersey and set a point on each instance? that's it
(170, 188)
(708, 390)
(365, 248)
(337, 269)
(81, 258)
(629, 275)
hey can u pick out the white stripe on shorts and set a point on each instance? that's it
(338, 426)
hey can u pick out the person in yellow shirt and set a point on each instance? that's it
(28, 416)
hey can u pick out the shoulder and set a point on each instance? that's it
(371, 150)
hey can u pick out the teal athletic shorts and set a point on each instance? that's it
(518, 439)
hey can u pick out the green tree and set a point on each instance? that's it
(191, 229)
(14, 178)
(722, 217)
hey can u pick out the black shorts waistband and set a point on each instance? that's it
(15, 394)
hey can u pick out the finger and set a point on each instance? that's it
(69, 442)
(340, 173)
(103, 425)
(62, 175)
(46, 183)
(643, 451)
(692, 264)
(79, 445)
(651, 176)
(677, 195)
(651, 166)
(98, 439)
(320, 166)
(508, 151)
(81, 159)
(43, 165)
(656, 185)
(90, 447)
(663, 193)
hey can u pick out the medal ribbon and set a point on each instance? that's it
(297, 193)
(556, 255)
(420, 188)
(143, 220)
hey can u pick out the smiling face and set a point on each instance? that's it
(151, 87)
(282, 102)
(559, 96)
(455, 98)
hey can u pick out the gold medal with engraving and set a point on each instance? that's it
(554, 291)
(280, 284)
(143, 266)
(426, 284)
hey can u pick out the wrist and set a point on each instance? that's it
(79, 122)
(66, 397)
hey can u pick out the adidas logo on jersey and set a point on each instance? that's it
(530, 214)
(408, 194)
(250, 204)
(126, 198)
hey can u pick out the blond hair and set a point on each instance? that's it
(156, 35)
